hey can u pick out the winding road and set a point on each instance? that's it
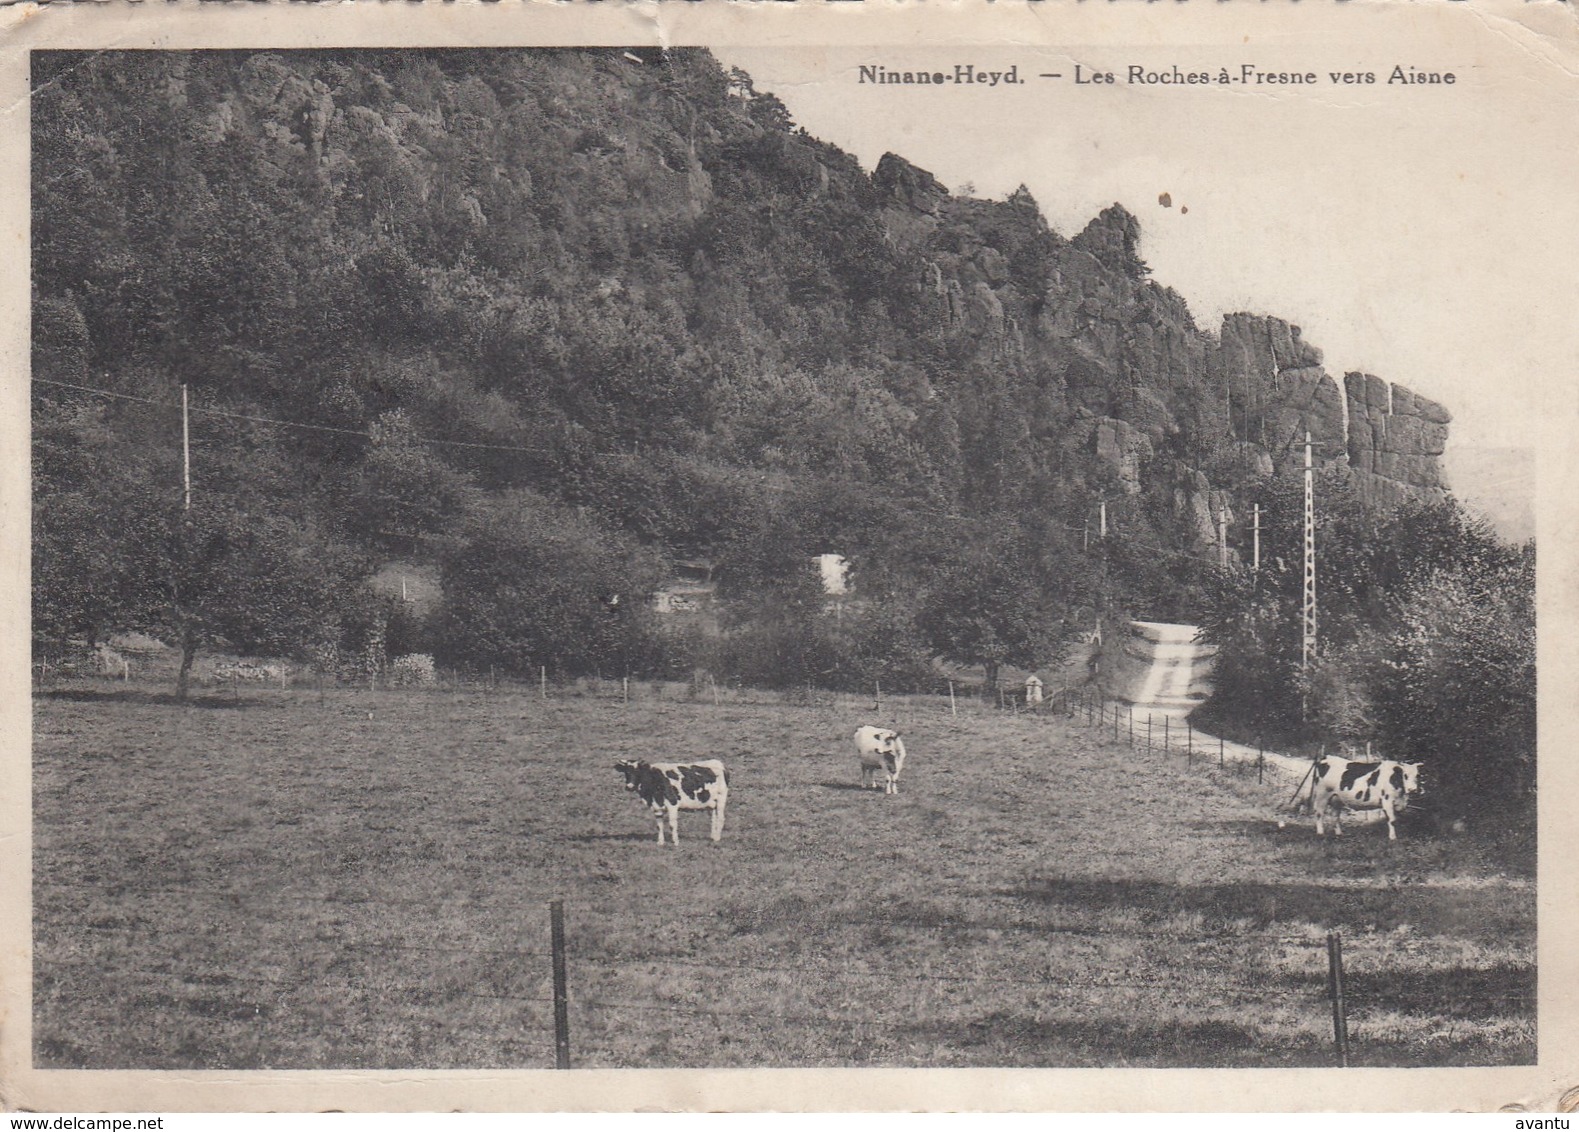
(1164, 670)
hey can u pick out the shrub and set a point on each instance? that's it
(413, 669)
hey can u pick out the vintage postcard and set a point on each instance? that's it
(826, 556)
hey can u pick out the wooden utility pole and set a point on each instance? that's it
(1255, 560)
(186, 450)
(1307, 647)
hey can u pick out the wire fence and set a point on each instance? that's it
(84, 964)
(554, 979)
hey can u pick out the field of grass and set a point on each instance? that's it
(360, 880)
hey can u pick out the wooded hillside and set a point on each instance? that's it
(548, 320)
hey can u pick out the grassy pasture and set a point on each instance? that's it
(278, 881)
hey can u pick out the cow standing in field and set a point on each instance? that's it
(880, 750)
(1362, 785)
(668, 788)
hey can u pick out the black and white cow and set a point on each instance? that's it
(880, 750)
(1362, 785)
(668, 788)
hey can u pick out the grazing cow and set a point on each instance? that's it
(668, 788)
(880, 750)
(1362, 785)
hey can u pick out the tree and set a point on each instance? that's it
(1426, 638)
(255, 582)
(528, 584)
(96, 571)
(118, 556)
(1457, 686)
(992, 606)
(407, 491)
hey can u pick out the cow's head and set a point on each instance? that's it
(1404, 778)
(631, 771)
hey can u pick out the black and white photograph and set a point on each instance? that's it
(712, 551)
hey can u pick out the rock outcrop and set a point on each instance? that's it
(1148, 385)
(1395, 440)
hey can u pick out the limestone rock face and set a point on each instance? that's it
(909, 184)
(1276, 389)
(1112, 238)
(1157, 399)
(1124, 447)
(984, 312)
(1395, 438)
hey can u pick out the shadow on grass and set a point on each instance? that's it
(842, 786)
(1500, 991)
(1005, 1040)
(1258, 828)
(1472, 912)
(157, 699)
(1012, 1041)
(593, 837)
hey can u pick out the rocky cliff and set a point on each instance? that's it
(1154, 398)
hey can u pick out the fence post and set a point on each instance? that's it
(1148, 732)
(951, 709)
(542, 681)
(1131, 725)
(1115, 723)
(1219, 752)
(625, 690)
(1340, 1021)
(1260, 759)
(556, 930)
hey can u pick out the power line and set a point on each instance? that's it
(284, 424)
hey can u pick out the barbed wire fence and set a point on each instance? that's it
(534, 996)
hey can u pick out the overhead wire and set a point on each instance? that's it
(281, 423)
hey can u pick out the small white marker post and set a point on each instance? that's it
(951, 708)
(542, 680)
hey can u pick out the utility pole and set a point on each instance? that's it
(1308, 640)
(1255, 561)
(186, 450)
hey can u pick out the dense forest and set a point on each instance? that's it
(547, 322)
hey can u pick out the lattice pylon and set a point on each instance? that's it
(1307, 650)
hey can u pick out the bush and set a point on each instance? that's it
(413, 670)
(529, 584)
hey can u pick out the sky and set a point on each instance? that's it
(1419, 233)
